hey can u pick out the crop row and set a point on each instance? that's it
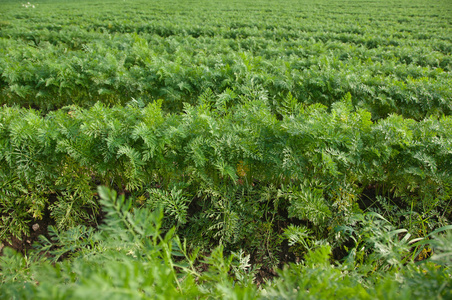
(316, 132)
(180, 69)
(130, 255)
(400, 65)
(219, 168)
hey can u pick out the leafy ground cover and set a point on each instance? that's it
(129, 257)
(200, 149)
(392, 58)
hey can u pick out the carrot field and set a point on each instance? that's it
(290, 149)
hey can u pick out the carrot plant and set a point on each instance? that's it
(316, 56)
(304, 143)
(130, 256)
(225, 177)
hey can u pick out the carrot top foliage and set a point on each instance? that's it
(248, 149)
(390, 58)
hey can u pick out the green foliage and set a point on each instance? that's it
(173, 203)
(226, 177)
(297, 234)
(299, 142)
(129, 256)
(110, 51)
(308, 203)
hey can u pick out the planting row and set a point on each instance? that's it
(130, 256)
(226, 172)
(154, 51)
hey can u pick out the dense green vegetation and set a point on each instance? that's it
(391, 57)
(128, 257)
(261, 149)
